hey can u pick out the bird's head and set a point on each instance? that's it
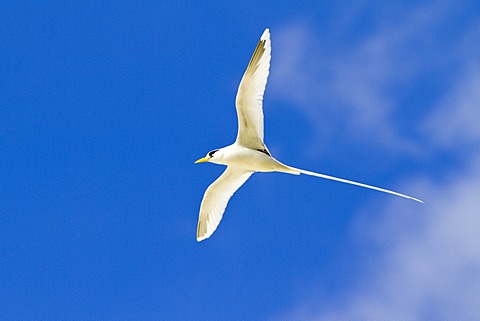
(210, 157)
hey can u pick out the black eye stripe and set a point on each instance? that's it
(212, 152)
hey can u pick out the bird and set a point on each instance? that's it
(249, 154)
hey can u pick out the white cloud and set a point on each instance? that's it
(424, 262)
(357, 86)
(429, 262)
(455, 124)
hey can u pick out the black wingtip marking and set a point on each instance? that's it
(265, 151)
(257, 54)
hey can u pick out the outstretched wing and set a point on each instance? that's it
(216, 198)
(250, 96)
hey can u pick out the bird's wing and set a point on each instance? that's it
(250, 96)
(216, 198)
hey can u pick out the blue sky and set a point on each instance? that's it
(105, 107)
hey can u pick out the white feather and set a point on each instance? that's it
(250, 96)
(216, 198)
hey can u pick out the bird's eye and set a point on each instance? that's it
(212, 152)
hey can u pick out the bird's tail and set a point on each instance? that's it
(293, 170)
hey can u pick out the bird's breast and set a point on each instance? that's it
(253, 160)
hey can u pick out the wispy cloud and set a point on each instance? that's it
(428, 267)
(455, 124)
(364, 85)
(424, 262)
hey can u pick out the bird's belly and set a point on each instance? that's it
(256, 162)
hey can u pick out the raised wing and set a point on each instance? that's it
(216, 198)
(250, 96)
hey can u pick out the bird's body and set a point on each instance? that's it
(248, 159)
(249, 154)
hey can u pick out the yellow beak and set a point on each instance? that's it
(202, 160)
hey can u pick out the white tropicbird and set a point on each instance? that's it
(248, 154)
